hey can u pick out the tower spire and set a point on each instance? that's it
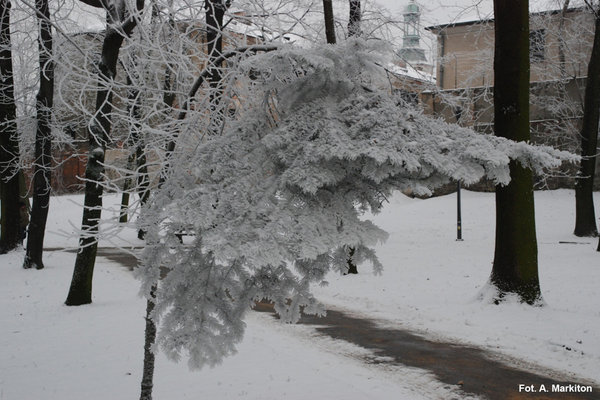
(411, 51)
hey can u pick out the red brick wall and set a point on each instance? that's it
(68, 166)
(68, 169)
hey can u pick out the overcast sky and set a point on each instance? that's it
(435, 12)
(441, 11)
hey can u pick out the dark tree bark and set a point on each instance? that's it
(215, 12)
(149, 340)
(352, 268)
(329, 21)
(118, 27)
(353, 30)
(585, 217)
(9, 146)
(43, 143)
(515, 267)
(354, 19)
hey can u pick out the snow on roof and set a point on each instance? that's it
(411, 72)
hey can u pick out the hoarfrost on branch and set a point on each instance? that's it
(277, 200)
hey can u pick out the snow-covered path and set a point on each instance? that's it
(51, 351)
(431, 284)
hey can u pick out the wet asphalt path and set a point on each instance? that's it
(473, 370)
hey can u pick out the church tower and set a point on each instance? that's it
(411, 51)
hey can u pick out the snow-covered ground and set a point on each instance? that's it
(435, 284)
(431, 283)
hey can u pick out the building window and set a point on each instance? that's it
(537, 45)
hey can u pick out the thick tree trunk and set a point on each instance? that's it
(215, 12)
(80, 291)
(329, 21)
(43, 143)
(515, 267)
(149, 340)
(10, 235)
(585, 217)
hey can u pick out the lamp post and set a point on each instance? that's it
(458, 114)
(458, 216)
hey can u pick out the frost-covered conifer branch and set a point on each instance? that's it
(274, 207)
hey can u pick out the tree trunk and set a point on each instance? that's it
(353, 30)
(329, 21)
(80, 291)
(354, 19)
(585, 217)
(11, 232)
(352, 268)
(43, 143)
(138, 155)
(134, 141)
(215, 12)
(515, 267)
(125, 195)
(149, 340)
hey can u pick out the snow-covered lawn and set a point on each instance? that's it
(434, 284)
(431, 283)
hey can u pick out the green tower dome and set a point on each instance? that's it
(411, 8)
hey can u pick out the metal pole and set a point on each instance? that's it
(458, 214)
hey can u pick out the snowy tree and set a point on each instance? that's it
(585, 216)
(272, 166)
(174, 52)
(515, 267)
(353, 30)
(43, 141)
(354, 18)
(121, 22)
(9, 145)
(278, 198)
